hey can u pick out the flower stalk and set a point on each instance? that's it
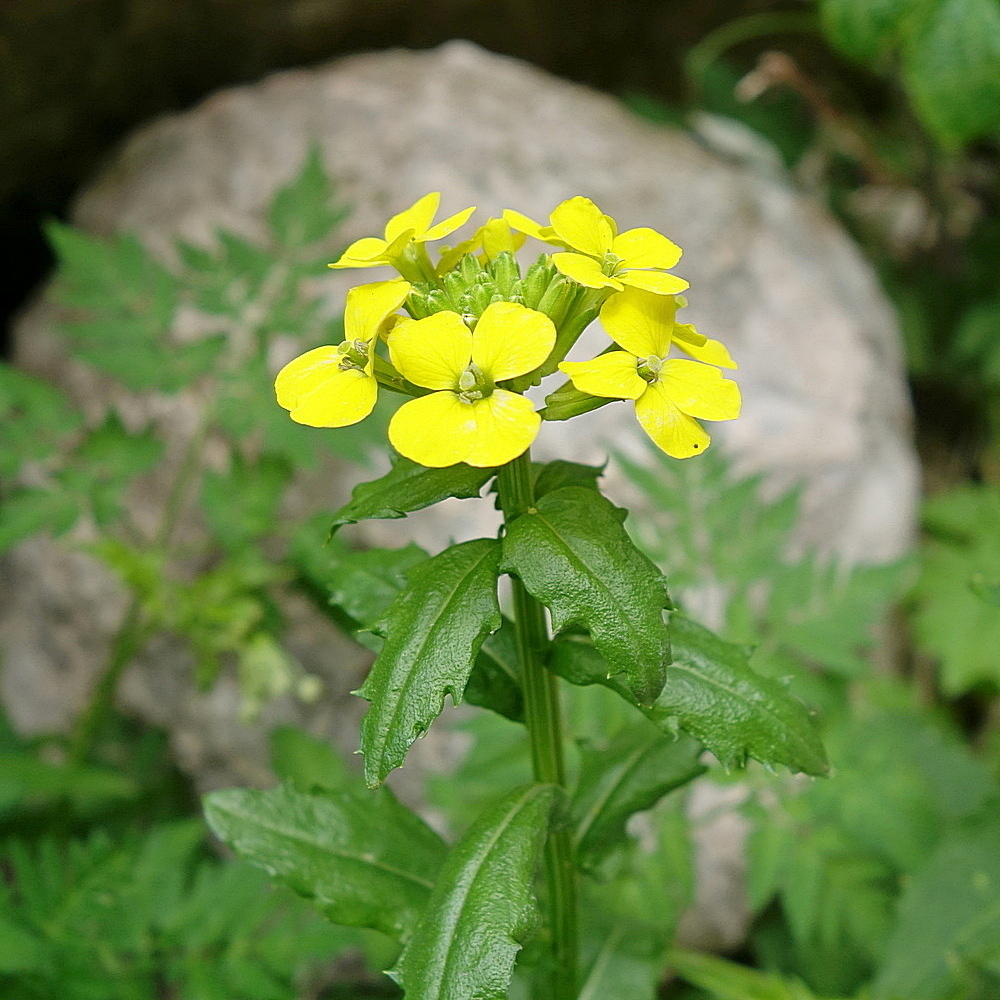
(544, 724)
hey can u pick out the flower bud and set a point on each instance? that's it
(506, 273)
(537, 280)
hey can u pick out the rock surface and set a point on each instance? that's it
(772, 275)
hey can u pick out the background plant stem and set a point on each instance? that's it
(543, 719)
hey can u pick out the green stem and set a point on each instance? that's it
(544, 724)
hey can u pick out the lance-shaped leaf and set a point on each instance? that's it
(632, 774)
(712, 693)
(408, 486)
(433, 632)
(365, 859)
(482, 905)
(573, 555)
(495, 681)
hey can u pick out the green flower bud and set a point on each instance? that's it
(506, 273)
(536, 281)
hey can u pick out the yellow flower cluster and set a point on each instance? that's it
(476, 335)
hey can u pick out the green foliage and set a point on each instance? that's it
(98, 920)
(433, 631)
(835, 854)
(960, 556)
(630, 775)
(949, 54)
(725, 980)
(573, 554)
(365, 859)
(948, 932)
(721, 539)
(408, 487)
(712, 693)
(482, 905)
(128, 315)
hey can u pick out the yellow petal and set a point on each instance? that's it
(497, 236)
(712, 352)
(449, 225)
(511, 339)
(435, 430)
(640, 321)
(450, 256)
(687, 336)
(522, 224)
(303, 374)
(612, 375)
(584, 270)
(506, 424)
(318, 392)
(653, 281)
(670, 430)
(431, 352)
(700, 390)
(645, 247)
(366, 252)
(369, 305)
(417, 217)
(579, 223)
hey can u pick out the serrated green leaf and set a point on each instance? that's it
(301, 213)
(29, 511)
(495, 681)
(365, 859)
(713, 694)
(863, 29)
(241, 504)
(572, 554)
(407, 487)
(951, 66)
(630, 775)
(36, 417)
(365, 583)
(307, 762)
(433, 633)
(482, 906)
(949, 915)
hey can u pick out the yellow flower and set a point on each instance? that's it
(669, 393)
(492, 238)
(402, 230)
(335, 386)
(597, 256)
(468, 418)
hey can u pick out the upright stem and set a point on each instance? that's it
(542, 717)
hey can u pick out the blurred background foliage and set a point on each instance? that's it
(881, 883)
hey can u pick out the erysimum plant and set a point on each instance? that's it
(462, 339)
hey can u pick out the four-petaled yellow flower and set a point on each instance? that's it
(669, 393)
(401, 231)
(597, 256)
(468, 417)
(336, 386)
